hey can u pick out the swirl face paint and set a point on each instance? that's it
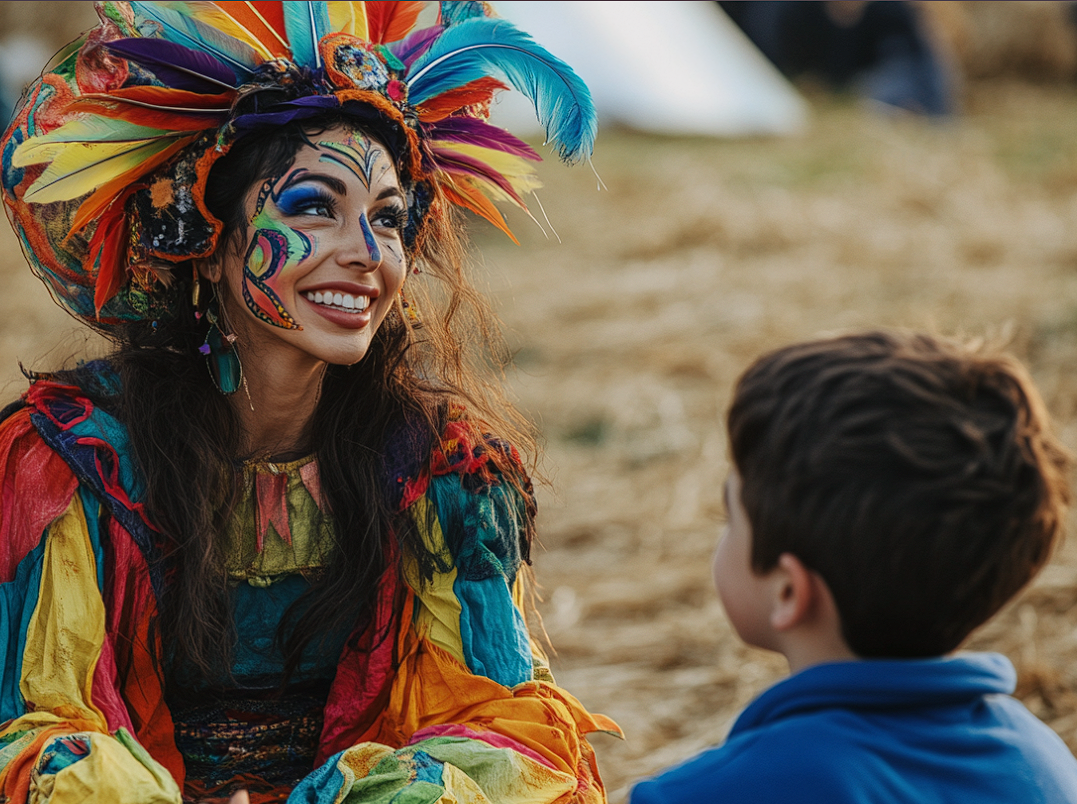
(274, 248)
(325, 260)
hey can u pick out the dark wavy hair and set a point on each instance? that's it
(918, 477)
(186, 438)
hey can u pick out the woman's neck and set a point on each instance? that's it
(276, 403)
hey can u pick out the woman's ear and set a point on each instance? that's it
(796, 594)
(209, 269)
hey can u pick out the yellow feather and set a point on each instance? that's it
(519, 172)
(84, 130)
(216, 14)
(81, 167)
(350, 18)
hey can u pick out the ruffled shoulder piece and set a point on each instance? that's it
(95, 445)
(480, 458)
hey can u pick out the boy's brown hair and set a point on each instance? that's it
(917, 476)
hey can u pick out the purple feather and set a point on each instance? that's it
(177, 66)
(280, 113)
(469, 166)
(414, 45)
(476, 132)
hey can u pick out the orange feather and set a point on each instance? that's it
(390, 21)
(151, 118)
(105, 194)
(464, 194)
(167, 96)
(244, 23)
(481, 90)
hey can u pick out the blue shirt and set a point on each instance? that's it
(880, 732)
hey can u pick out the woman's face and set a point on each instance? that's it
(324, 258)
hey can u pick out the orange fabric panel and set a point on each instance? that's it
(432, 688)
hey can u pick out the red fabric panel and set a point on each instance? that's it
(37, 488)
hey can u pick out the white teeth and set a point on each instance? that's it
(343, 300)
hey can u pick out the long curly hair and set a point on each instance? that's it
(186, 437)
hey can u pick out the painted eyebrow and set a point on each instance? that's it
(388, 192)
(336, 185)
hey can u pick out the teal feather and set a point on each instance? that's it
(184, 30)
(306, 24)
(481, 47)
(454, 12)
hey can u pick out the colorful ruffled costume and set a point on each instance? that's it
(440, 695)
(455, 704)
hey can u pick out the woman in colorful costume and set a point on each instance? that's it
(273, 544)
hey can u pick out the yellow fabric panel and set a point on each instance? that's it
(110, 773)
(67, 628)
(437, 613)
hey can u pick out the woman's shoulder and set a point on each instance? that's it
(465, 447)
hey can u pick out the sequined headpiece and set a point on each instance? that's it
(105, 164)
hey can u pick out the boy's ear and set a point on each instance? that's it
(796, 593)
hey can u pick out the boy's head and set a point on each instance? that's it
(916, 477)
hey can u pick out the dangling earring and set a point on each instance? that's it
(410, 312)
(222, 359)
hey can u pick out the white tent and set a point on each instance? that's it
(667, 67)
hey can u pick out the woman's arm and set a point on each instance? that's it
(66, 729)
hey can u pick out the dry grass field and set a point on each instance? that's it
(627, 335)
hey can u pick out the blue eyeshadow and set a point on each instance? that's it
(294, 199)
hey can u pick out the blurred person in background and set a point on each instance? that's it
(881, 50)
(274, 545)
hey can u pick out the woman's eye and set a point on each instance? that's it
(390, 218)
(299, 202)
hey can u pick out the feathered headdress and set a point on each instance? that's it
(105, 165)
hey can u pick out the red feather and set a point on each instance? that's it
(391, 20)
(107, 253)
(272, 13)
(167, 96)
(479, 91)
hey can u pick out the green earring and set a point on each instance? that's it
(222, 360)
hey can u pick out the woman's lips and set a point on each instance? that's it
(354, 318)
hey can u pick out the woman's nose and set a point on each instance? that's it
(364, 253)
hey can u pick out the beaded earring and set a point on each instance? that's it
(222, 359)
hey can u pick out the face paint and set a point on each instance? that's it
(368, 237)
(358, 156)
(275, 248)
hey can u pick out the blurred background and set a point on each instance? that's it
(771, 172)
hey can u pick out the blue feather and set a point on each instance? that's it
(305, 24)
(481, 47)
(189, 32)
(453, 12)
